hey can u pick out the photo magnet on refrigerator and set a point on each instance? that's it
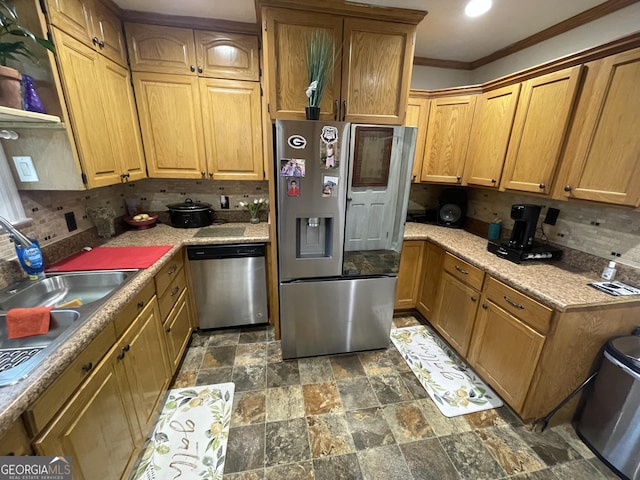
(297, 141)
(329, 147)
(293, 186)
(292, 167)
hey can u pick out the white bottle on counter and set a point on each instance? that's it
(609, 272)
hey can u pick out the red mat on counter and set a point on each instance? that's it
(111, 258)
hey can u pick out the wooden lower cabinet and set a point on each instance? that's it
(15, 442)
(177, 329)
(409, 274)
(432, 259)
(457, 307)
(505, 352)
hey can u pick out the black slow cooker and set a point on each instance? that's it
(190, 214)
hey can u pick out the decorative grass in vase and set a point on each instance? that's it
(320, 59)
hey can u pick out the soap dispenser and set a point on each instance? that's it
(609, 272)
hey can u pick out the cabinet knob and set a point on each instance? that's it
(122, 177)
(126, 348)
(192, 68)
(199, 69)
(493, 180)
(101, 44)
(95, 40)
(458, 178)
(413, 178)
(204, 174)
(567, 188)
(140, 304)
(211, 175)
(541, 186)
(473, 299)
(485, 306)
(87, 367)
(168, 330)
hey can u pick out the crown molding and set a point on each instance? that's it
(197, 23)
(438, 63)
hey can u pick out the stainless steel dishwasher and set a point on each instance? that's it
(230, 284)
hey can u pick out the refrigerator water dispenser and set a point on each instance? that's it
(314, 237)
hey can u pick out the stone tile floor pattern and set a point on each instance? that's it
(364, 416)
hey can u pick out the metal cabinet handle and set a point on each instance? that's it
(458, 178)
(473, 299)
(101, 44)
(485, 306)
(95, 41)
(173, 269)
(192, 68)
(512, 303)
(493, 180)
(464, 272)
(344, 110)
(199, 69)
(567, 188)
(335, 110)
(542, 186)
(168, 330)
(413, 178)
(140, 304)
(210, 174)
(204, 174)
(87, 367)
(126, 348)
(175, 291)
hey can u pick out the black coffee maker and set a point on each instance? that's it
(524, 228)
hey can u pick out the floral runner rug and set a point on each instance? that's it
(453, 387)
(189, 441)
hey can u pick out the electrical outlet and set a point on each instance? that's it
(552, 216)
(224, 202)
(71, 221)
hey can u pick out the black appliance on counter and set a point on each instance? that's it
(521, 246)
(190, 214)
(452, 207)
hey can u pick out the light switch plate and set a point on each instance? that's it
(26, 170)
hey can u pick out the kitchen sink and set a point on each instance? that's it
(88, 287)
(18, 357)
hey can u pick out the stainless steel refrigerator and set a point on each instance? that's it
(342, 193)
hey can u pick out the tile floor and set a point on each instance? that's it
(364, 416)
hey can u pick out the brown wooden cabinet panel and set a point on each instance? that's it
(227, 55)
(409, 274)
(448, 132)
(457, 307)
(505, 352)
(231, 112)
(287, 36)
(178, 330)
(376, 63)
(160, 49)
(417, 116)
(490, 131)
(15, 442)
(171, 124)
(73, 17)
(108, 30)
(427, 303)
(603, 149)
(542, 116)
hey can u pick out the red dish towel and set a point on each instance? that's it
(111, 258)
(26, 322)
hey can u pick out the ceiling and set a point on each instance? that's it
(445, 33)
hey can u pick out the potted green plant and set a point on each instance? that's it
(13, 48)
(320, 60)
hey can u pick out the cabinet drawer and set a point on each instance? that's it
(133, 308)
(54, 397)
(463, 271)
(166, 275)
(527, 310)
(171, 294)
(15, 441)
(177, 329)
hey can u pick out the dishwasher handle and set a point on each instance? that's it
(211, 252)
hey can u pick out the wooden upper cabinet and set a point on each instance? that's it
(377, 62)
(490, 131)
(371, 76)
(156, 48)
(171, 124)
(91, 23)
(601, 161)
(417, 116)
(227, 55)
(542, 117)
(448, 132)
(285, 46)
(233, 129)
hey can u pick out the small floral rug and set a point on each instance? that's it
(453, 387)
(190, 438)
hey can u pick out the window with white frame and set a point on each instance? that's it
(10, 205)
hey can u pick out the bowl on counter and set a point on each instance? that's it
(142, 224)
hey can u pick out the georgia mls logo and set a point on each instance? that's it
(297, 141)
(35, 468)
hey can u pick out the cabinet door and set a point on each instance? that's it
(603, 148)
(433, 257)
(177, 330)
(543, 113)
(73, 17)
(377, 61)
(94, 427)
(505, 352)
(79, 68)
(456, 312)
(145, 363)
(108, 30)
(156, 48)
(123, 126)
(418, 116)
(227, 55)
(490, 131)
(409, 274)
(447, 139)
(287, 36)
(171, 124)
(232, 129)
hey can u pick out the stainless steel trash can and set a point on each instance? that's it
(610, 421)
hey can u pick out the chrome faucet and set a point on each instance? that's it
(15, 235)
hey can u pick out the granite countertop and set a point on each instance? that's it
(553, 284)
(15, 399)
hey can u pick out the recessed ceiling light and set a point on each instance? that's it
(476, 8)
